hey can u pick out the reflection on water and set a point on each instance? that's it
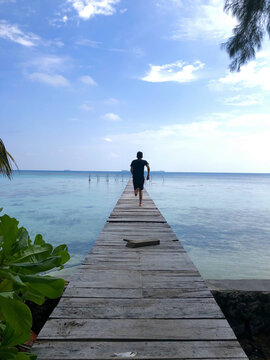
(223, 220)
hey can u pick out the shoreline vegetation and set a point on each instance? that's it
(24, 280)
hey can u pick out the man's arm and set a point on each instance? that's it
(148, 172)
(131, 170)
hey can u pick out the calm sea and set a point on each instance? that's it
(223, 220)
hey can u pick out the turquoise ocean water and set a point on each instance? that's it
(223, 220)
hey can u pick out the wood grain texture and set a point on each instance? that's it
(169, 350)
(137, 329)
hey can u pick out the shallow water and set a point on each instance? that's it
(223, 220)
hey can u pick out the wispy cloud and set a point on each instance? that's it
(86, 107)
(178, 72)
(48, 63)
(87, 9)
(107, 139)
(55, 80)
(206, 20)
(88, 42)
(111, 101)
(244, 100)
(13, 33)
(111, 117)
(88, 80)
(254, 74)
(47, 69)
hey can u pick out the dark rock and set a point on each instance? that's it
(248, 313)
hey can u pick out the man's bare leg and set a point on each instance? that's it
(136, 191)
(140, 197)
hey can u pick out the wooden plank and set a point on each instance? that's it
(169, 350)
(107, 279)
(192, 290)
(132, 243)
(168, 280)
(137, 329)
(90, 292)
(86, 308)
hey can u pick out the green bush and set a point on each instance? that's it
(22, 267)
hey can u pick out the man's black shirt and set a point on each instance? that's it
(138, 168)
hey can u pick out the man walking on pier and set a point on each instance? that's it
(137, 171)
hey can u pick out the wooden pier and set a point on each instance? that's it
(142, 303)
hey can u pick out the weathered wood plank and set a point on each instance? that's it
(169, 350)
(137, 329)
(90, 292)
(85, 308)
(131, 243)
(107, 279)
(192, 290)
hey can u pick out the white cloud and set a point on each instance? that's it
(222, 142)
(13, 33)
(244, 100)
(55, 80)
(87, 42)
(112, 117)
(86, 107)
(207, 20)
(108, 139)
(179, 72)
(89, 8)
(111, 101)
(48, 63)
(88, 80)
(254, 74)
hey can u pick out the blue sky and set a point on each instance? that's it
(85, 84)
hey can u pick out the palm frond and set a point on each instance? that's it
(5, 161)
(254, 21)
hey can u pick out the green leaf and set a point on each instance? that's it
(33, 295)
(8, 353)
(62, 250)
(5, 273)
(23, 239)
(39, 240)
(18, 320)
(33, 253)
(45, 285)
(8, 233)
(42, 266)
(25, 356)
(6, 286)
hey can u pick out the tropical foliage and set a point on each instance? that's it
(21, 262)
(5, 160)
(254, 22)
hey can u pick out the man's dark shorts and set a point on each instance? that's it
(138, 183)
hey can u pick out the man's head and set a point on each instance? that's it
(139, 155)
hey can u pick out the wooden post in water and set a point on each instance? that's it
(137, 303)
